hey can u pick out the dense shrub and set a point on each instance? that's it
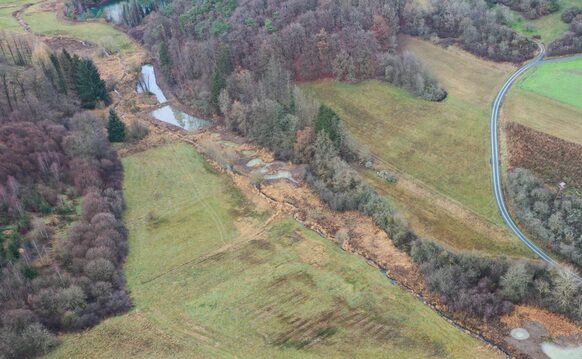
(571, 42)
(570, 14)
(407, 72)
(553, 218)
(48, 160)
(530, 9)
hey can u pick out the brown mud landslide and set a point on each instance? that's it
(553, 159)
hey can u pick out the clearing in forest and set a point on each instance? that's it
(206, 275)
(548, 27)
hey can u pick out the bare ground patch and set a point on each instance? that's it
(553, 159)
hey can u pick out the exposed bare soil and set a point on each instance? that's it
(553, 159)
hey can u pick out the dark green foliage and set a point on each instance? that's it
(553, 218)
(88, 83)
(60, 77)
(29, 273)
(165, 62)
(570, 14)
(329, 122)
(221, 72)
(115, 127)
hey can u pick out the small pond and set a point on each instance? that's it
(147, 83)
(176, 117)
(557, 352)
(112, 11)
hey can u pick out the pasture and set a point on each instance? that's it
(561, 81)
(206, 273)
(443, 146)
(44, 20)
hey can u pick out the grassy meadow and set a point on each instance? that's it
(443, 145)
(46, 22)
(561, 81)
(203, 286)
(547, 99)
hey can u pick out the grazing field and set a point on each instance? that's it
(543, 114)
(561, 81)
(453, 230)
(444, 145)
(205, 287)
(45, 21)
(549, 27)
(7, 21)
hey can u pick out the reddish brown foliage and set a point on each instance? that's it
(553, 159)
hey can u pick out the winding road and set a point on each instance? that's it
(496, 163)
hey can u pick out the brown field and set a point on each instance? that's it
(553, 159)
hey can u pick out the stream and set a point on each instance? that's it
(168, 113)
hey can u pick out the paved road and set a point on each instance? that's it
(495, 162)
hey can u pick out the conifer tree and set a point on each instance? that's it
(115, 128)
(165, 62)
(89, 85)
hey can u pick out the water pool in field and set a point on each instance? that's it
(557, 352)
(148, 83)
(178, 118)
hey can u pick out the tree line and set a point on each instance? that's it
(554, 218)
(571, 41)
(55, 162)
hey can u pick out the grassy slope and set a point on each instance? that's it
(263, 298)
(549, 27)
(7, 21)
(443, 144)
(434, 222)
(46, 22)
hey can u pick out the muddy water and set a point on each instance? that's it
(148, 83)
(557, 352)
(178, 118)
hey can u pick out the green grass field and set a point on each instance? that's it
(444, 145)
(549, 27)
(46, 22)
(547, 99)
(203, 289)
(561, 81)
(7, 21)
(433, 222)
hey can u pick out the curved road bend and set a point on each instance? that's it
(495, 162)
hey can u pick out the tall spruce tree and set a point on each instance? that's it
(89, 85)
(221, 72)
(165, 62)
(115, 127)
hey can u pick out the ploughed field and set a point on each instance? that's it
(210, 278)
